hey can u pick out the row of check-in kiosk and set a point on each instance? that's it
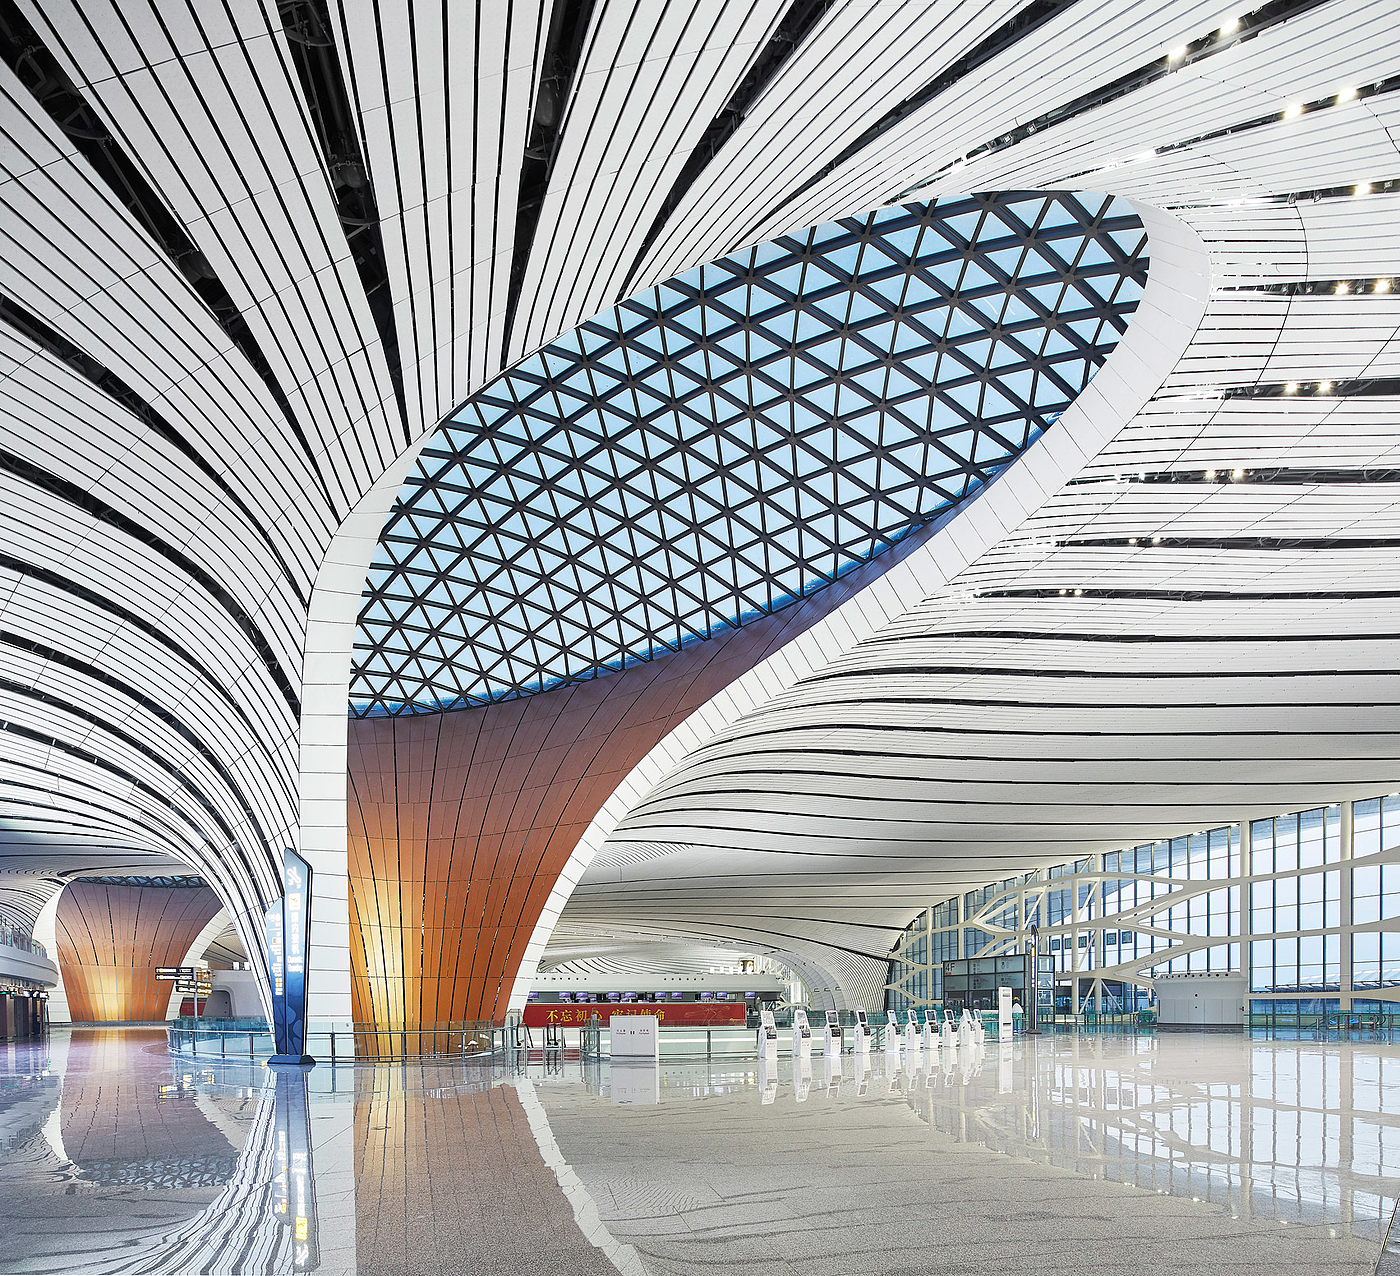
(946, 1036)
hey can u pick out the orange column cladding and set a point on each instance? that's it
(111, 939)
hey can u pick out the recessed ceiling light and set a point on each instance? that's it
(1176, 54)
(1291, 388)
(1363, 188)
(1237, 474)
(1345, 95)
(1210, 476)
(1229, 26)
(1156, 540)
(1382, 285)
(1342, 289)
(1292, 111)
(1324, 387)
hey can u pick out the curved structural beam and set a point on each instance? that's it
(218, 923)
(323, 756)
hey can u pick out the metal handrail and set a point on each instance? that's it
(358, 1042)
(1327, 1025)
(13, 936)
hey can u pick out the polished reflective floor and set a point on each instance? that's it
(1094, 1153)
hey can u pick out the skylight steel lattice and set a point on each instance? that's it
(717, 447)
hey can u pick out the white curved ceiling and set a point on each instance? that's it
(211, 350)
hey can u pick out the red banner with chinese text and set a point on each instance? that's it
(684, 1013)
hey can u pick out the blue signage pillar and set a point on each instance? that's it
(288, 922)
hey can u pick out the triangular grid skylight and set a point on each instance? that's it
(715, 448)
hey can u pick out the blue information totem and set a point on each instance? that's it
(288, 923)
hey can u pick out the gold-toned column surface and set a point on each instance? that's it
(112, 937)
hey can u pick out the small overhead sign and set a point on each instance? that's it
(175, 972)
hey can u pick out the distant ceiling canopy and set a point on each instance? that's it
(720, 446)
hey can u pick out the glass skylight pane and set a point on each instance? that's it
(595, 506)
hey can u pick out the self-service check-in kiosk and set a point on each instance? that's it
(801, 1035)
(967, 1033)
(948, 1039)
(891, 1033)
(931, 1035)
(767, 1037)
(911, 1031)
(835, 1041)
(863, 1033)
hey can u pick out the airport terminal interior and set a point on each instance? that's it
(699, 636)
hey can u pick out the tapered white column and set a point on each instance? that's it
(1345, 887)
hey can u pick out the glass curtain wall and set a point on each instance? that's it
(1306, 904)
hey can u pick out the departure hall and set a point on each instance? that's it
(699, 636)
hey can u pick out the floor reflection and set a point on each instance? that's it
(1215, 1154)
(1289, 1133)
(451, 1177)
(118, 1128)
(120, 1159)
(101, 1150)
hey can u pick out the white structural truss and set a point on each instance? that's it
(252, 254)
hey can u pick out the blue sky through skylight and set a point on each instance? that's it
(734, 439)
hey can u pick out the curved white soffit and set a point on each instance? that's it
(46, 932)
(1173, 304)
(323, 756)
